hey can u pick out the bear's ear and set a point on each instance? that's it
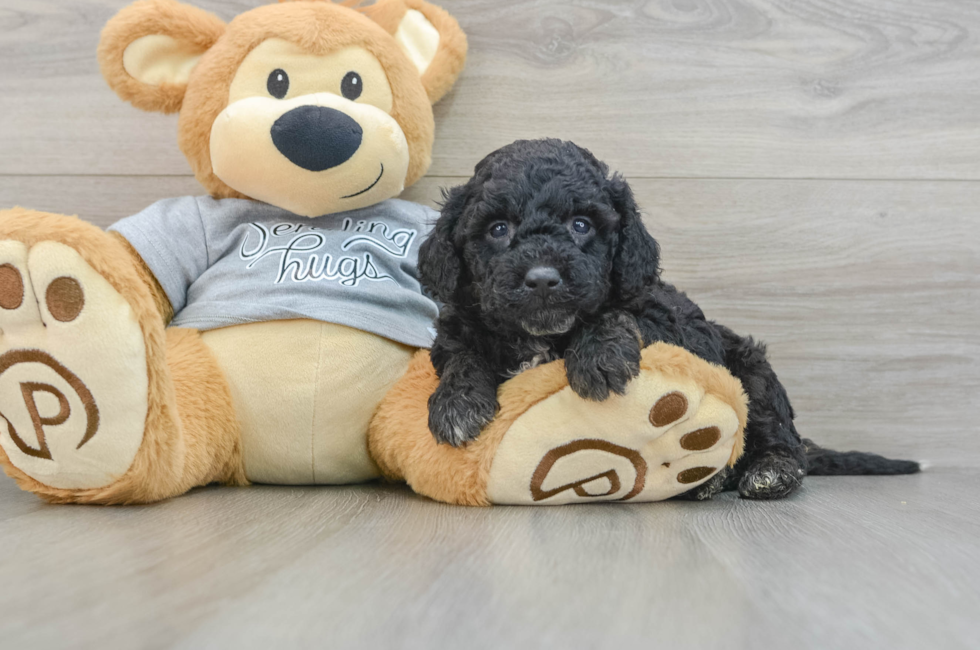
(429, 36)
(148, 49)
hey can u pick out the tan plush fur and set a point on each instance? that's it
(164, 308)
(673, 361)
(450, 58)
(194, 26)
(319, 26)
(191, 435)
(208, 423)
(405, 450)
(387, 13)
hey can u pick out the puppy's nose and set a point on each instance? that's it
(317, 137)
(542, 279)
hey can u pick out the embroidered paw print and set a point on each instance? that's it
(73, 379)
(663, 438)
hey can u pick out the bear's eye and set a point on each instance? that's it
(498, 230)
(278, 83)
(352, 85)
(582, 226)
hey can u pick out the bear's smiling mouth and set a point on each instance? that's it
(350, 196)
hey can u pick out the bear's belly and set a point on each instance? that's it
(305, 392)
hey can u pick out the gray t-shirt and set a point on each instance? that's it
(232, 261)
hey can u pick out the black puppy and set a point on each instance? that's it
(542, 256)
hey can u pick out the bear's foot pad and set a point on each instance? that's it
(662, 438)
(73, 374)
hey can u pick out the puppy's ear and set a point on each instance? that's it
(636, 263)
(440, 264)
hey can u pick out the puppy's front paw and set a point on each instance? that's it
(707, 490)
(594, 378)
(604, 359)
(458, 414)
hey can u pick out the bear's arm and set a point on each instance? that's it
(169, 244)
(146, 275)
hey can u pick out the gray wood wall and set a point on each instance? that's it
(811, 168)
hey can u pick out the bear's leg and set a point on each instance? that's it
(679, 424)
(100, 404)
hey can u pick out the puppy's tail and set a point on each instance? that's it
(827, 462)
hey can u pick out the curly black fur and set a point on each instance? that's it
(543, 255)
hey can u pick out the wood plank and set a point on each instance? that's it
(845, 563)
(730, 88)
(102, 200)
(868, 293)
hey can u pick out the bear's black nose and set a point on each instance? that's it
(316, 137)
(542, 279)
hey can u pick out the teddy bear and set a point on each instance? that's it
(274, 331)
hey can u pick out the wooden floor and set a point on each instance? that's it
(847, 563)
(812, 170)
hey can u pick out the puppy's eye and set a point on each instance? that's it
(352, 86)
(278, 83)
(582, 226)
(498, 230)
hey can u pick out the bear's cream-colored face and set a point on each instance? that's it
(311, 134)
(314, 106)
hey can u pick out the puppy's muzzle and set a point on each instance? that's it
(542, 279)
(317, 137)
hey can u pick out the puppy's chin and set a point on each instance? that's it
(550, 323)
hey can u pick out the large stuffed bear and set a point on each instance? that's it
(275, 331)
